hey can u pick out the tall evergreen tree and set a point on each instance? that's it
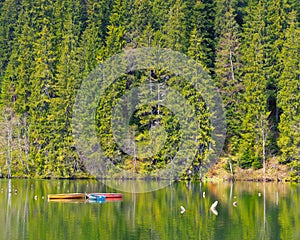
(94, 32)
(61, 148)
(228, 73)
(16, 86)
(289, 95)
(8, 24)
(161, 13)
(203, 34)
(42, 83)
(175, 34)
(197, 49)
(141, 22)
(115, 40)
(276, 23)
(222, 6)
(255, 127)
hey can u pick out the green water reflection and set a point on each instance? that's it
(263, 211)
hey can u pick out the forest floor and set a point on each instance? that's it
(274, 172)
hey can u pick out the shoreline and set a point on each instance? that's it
(275, 172)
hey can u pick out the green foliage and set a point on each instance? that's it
(202, 24)
(228, 71)
(154, 133)
(8, 28)
(175, 34)
(289, 95)
(246, 158)
(257, 163)
(251, 49)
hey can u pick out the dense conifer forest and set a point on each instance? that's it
(250, 48)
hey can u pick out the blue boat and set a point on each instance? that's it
(96, 198)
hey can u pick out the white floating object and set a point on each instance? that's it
(214, 211)
(213, 208)
(234, 204)
(203, 194)
(182, 209)
(259, 194)
(214, 205)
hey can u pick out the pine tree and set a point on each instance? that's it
(202, 37)
(61, 148)
(175, 29)
(141, 19)
(8, 24)
(115, 40)
(161, 13)
(42, 83)
(289, 95)
(146, 39)
(16, 88)
(276, 23)
(197, 50)
(255, 126)
(227, 74)
(92, 39)
(221, 7)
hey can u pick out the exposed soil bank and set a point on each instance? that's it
(274, 172)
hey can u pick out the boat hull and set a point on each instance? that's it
(108, 195)
(67, 196)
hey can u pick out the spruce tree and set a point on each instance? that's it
(255, 127)
(115, 39)
(197, 49)
(228, 74)
(65, 159)
(42, 90)
(175, 34)
(94, 31)
(161, 13)
(289, 95)
(16, 88)
(8, 23)
(203, 34)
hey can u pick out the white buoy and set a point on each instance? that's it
(234, 204)
(213, 208)
(259, 194)
(203, 194)
(35, 197)
(182, 209)
(214, 205)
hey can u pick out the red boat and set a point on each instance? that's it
(108, 195)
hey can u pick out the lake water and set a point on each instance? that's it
(262, 211)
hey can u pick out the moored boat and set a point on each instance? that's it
(96, 197)
(67, 196)
(108, 195)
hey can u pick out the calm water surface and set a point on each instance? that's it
(263, 211)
